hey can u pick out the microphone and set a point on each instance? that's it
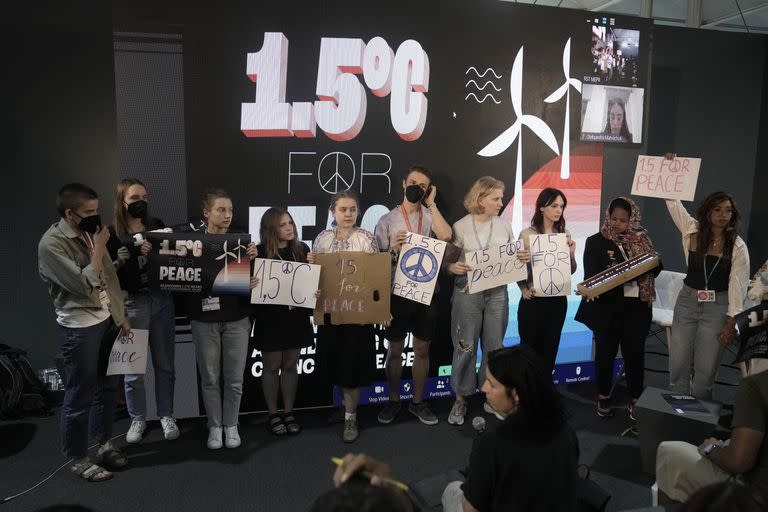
(478, 423)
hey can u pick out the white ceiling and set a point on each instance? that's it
(715, 14)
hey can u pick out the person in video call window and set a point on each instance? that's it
(616, 120)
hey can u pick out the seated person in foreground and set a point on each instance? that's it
(528, 463)
(682, 468)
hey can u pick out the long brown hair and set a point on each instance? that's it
(546, 198)
(268, 232)
(704, 236)
(121, 210)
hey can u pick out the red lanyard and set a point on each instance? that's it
(408, 222)
(85, 237)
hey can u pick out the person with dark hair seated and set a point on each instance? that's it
(363, 484)
(528, 463)
(726, 497)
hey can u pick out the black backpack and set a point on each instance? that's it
(21, 391)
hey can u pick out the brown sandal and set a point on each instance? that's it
(90, 472)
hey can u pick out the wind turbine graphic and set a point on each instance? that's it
(237, 248)
(508, 136)
(226, 261)
(565, 89)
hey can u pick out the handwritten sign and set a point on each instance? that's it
(550, 265)
(495, 266)
(418, 267)
(200, 263)
(354, 288)
(289, 283)
(129, 354)
(656, 176)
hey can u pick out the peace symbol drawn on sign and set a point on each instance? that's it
(551, 281)
(287, 267)
(415, 267)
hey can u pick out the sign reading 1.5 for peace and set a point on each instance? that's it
(418, 267)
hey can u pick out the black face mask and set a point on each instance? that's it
(90, 224)
(414, 193)
(138, 209)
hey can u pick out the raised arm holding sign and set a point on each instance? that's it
(657, 176)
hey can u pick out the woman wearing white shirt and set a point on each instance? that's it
(713, 292)
(486, 311)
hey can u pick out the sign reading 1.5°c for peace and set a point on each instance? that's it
(550, 265)
(495, 266)
(418, 267)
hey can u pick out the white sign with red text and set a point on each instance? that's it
(656, 176)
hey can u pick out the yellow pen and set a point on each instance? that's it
(400, 485)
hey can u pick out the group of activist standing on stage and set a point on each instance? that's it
(94, 273)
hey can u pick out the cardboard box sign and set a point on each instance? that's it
(355, 288)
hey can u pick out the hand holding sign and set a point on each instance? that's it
(674, 178)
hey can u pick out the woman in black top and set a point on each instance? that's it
(621, 316)
(528, 463)
(281, 332)
(147, 309)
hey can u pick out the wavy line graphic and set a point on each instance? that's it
(489, 95)
(484, 85)
(473, 68)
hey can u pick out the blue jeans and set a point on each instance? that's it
(486, 312)
(88, 410)
(222, 350)
(694, 352)
(154, 311)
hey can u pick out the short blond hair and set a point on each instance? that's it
(480, 189)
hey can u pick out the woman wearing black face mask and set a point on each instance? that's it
(151, 310)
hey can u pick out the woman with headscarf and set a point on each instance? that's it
(621, 316)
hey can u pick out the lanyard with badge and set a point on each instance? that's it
(408, 221)
(631, 289)
(707, 295)
(480, 246)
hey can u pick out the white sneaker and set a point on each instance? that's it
(231, 437)
(170, 430)
(214, 438)
(136, 432)
(458, 411)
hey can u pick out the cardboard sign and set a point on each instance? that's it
(418, 267)
(200, 263)
(289, 283)
(668, 179)
(354, 288)
(550, 265)
(129, 354)
(495, 266)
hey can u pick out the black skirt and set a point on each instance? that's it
(349, 353)
(278, 328)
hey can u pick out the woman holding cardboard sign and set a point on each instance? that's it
(713, 292)
(486, 311)
(280, 332)
(621, 316)
(544, 337)
(350, 348)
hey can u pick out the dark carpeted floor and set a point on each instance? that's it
(286, 474)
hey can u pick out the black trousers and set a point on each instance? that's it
(540, 321)
(625, 324)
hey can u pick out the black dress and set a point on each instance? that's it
(276, 327)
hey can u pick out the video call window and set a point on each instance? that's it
(611, 114)
(615, 57)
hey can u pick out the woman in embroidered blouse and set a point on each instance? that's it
(713, 292)
(349, 348)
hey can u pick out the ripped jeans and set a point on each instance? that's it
(485, 312)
